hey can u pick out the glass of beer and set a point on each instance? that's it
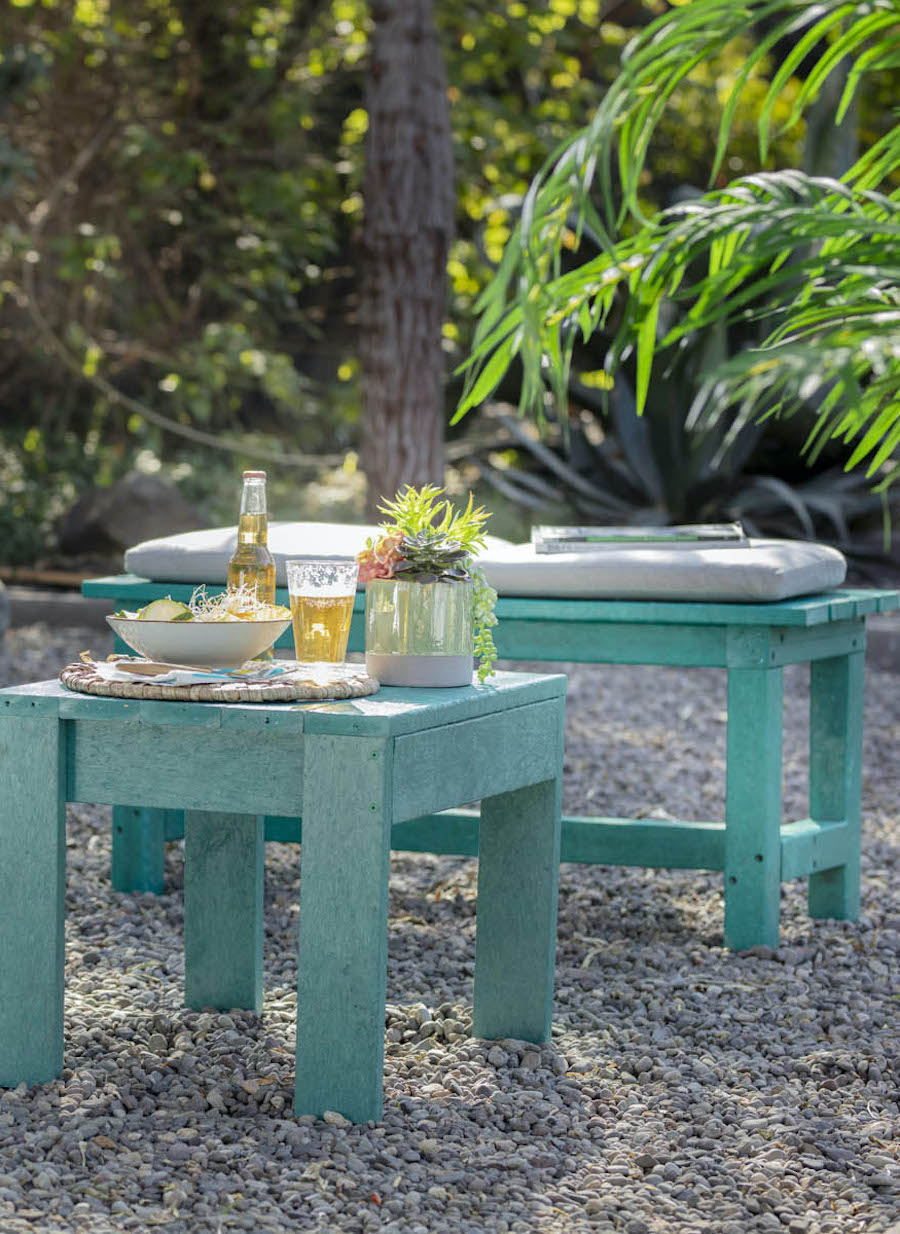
(322, 593)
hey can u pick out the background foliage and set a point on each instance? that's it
(769, 296)
(179, 202)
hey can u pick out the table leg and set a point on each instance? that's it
(835, 774)
(32, 898)
(342, 975)
(753, 808)
(224, 858)
(515, 946)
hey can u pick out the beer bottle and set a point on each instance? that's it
(252, 566)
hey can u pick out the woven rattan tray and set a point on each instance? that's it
(322, 681)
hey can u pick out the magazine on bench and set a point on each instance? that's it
(685, 535)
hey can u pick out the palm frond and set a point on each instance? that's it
(811, 263)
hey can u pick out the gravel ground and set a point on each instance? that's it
(686, 1089)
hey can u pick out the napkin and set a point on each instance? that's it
(175, 675)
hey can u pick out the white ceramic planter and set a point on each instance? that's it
(419, 634)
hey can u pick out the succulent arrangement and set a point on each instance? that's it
(427, 540)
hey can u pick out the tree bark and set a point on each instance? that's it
(408, 226)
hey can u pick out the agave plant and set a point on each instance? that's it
(655, 469)
(811, 263)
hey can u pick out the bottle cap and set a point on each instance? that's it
(254, 475)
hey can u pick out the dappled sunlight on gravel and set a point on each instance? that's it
(685, 1091)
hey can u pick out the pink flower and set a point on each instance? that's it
(379, 560)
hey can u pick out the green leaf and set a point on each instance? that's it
(646, 347)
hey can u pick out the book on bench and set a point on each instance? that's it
(685, 535)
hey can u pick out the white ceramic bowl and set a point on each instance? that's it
(207, 644)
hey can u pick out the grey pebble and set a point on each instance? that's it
(684, 1089)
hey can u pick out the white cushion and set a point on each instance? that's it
(203, 556)
(766, 570)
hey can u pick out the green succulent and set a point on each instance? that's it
(416, 512)
(428, 557)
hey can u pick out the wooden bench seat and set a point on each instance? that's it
(752, 846)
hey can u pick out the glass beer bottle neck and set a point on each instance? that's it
(253, 524)
(253, 529)
(253, 496)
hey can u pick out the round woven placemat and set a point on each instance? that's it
(322, 681)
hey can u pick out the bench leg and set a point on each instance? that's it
(138, 852)
(835, 774)
(515, 946)
(753, 808)
(223, 910)
(342, 975)
(32, 899)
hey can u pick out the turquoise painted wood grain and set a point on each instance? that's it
(130, 590)
(806, 846)
(753, 808)
(32, 897)
(654, 843)
(138, 848)
(155, 766)
(612, 642)
(283, 830)
(772, 647)
(663, 844)
(394, 712)
(389, 712)
(809, 848)
(518, 874)
(342, 968)
(835, 775)
(277, 828)
(791, 646)
(173, 824)
(658, 844)
(452, 832)
(223, 910)
(438, 768)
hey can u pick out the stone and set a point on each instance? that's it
(470, 1141)
(137, 507)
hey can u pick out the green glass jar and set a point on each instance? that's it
(419, 634)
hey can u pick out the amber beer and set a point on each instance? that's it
(321, 627)
(322, 593)
(252, 565)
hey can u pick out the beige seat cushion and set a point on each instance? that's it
(766, 570)
(202, 556)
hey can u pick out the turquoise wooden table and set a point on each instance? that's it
(353, 770)
(753, 848)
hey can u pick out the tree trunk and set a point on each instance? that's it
(409, 203)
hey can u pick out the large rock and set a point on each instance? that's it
(137, 507)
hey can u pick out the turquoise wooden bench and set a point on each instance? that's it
(752, 642)
(353, 771)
